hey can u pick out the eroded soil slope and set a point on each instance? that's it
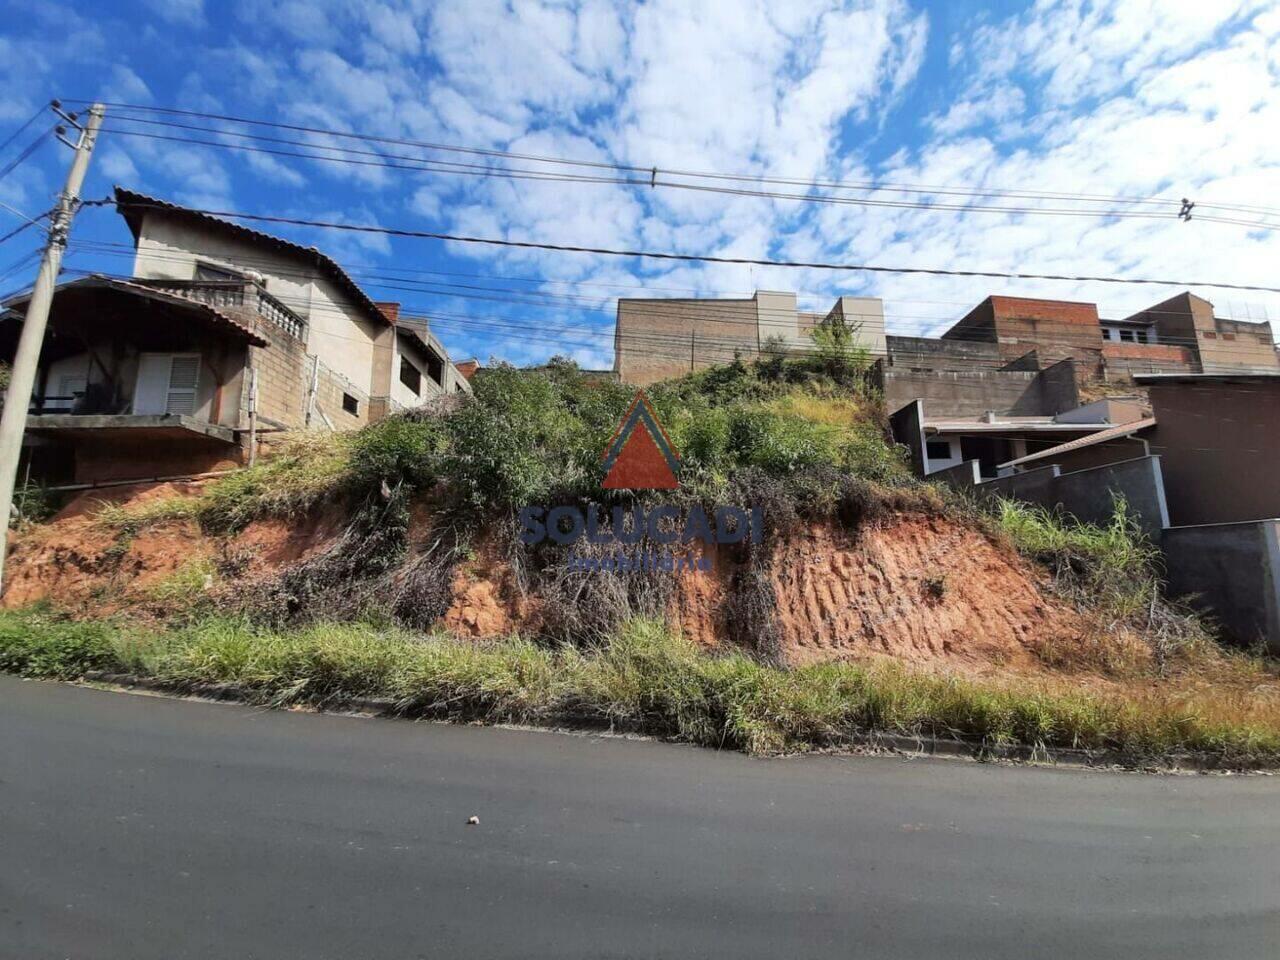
(915, 588)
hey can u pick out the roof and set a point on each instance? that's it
(1127, 322)
(1102, 436)
(420, 332)
(1153, 379)
(131, 204)
(209, 314)
(1010, 425)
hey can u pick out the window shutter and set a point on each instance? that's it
(184, 375)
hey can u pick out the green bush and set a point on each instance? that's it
(537, 437)
(397, 450)
(36, 644)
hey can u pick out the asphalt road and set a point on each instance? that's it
(138, 827)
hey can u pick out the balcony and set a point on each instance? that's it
(239, 295)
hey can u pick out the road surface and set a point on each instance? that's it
(137, 827)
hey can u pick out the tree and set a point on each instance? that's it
(838, 350)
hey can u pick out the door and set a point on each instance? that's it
(167, 383)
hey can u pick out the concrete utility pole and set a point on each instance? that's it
(22, 377)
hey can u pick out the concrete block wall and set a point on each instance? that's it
(1232, 571)
(1088, 495)
(284, 382)
(330, 387)
(659, 339)
(283, 375)
(927, 353)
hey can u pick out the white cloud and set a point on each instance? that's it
(125, 86)
(117, 167)
(185, 13)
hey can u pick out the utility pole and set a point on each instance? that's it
(22, 377)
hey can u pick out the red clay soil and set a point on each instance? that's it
(922, 590)
(919, 590)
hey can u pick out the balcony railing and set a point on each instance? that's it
(236, 295)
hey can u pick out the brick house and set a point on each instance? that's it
(1180, 335)
(220, 330)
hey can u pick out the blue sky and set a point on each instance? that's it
(1138, 99)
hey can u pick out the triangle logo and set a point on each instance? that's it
(640, 455)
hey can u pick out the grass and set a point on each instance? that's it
(1113, 572)
(649, 680)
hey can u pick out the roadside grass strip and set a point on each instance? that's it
(645, 679)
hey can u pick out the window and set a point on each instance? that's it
(205, 271)
(70, 388)
(350, 405)
(410, 376)
(435, 367)
(1128, 336)
(184, 374)
(938, 449)
(167, 384)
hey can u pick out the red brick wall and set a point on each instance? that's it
(1159, 352)
(144, 459)
(1056, 311)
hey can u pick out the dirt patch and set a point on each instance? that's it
(918, 589)
(275, 543)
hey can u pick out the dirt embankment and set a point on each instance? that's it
(923, 590)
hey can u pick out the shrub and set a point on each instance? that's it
(397, 450)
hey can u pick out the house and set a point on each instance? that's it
(1198, 475)
(1180, 334)
(656, 339)
(1214, 434)
(940, 443)
(222, 332)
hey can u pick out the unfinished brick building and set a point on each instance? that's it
(1180, 334)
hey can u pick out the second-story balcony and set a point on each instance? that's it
(241, 295)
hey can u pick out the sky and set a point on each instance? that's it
(1137, 99)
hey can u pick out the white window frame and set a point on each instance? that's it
(171, 392)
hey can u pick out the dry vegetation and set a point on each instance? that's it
(805, 442)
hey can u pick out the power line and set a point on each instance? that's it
(22, 129)
(375, 275)
(31, 148)
(416, 164)
(653, 343)
(647, 172)
(699, 258)
(386, 161)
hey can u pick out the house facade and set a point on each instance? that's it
(222, 338)
(657, 339)
(1180, 335)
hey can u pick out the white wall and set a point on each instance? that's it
(338, 331)
(933, 464)
(409, 349)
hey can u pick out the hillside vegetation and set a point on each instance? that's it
(425, 508)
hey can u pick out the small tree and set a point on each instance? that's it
(773, 354)
(838, 351)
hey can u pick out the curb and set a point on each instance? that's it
(892, 743)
